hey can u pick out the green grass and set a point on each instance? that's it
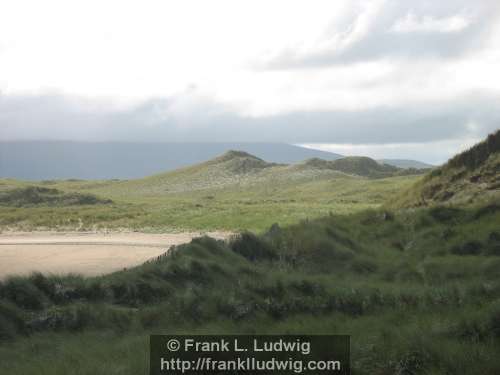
(392, 280)
(232, 207)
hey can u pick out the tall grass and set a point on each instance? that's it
(394, 281)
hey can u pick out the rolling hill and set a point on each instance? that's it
(241, 170)
(469, 177)
(233, 191)
(406, 163)
(233, 169)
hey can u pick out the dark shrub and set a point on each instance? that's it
(363, 266)
(468, 248)
(95, 291)
(487, 210)
(11, 320)
(308, 288)
(23, 293)
(493, 244)
(44, 284)
(494, 238)
(253, 248)
(494, 323)
(444, 214)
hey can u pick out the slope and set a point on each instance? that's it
(469, 177)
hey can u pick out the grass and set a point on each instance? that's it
(42, 196)
(392, 280)
(233, 207)
(469, 177)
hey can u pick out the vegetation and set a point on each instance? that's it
(36, 195)
(417, 291)
(236, 191)
(469, 177)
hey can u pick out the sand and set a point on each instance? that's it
(84, 253)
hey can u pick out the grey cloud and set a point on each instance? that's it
(380, 42)
(55, 117)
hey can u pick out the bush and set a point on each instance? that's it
(468, 248)
(444, 214)
(11, 320)
(253, 248)
(23, 293)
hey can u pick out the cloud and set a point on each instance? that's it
(188, 117)
(412, 23)
(394, 30)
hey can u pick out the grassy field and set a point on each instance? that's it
(418, 292)
(227, 193)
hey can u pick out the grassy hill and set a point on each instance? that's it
(355, 165)
(233, 191)
(469, 177)
(417, 291)
(406, 163)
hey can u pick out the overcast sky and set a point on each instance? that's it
(405, 79)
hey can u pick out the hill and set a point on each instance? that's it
(406, 163)
(359, 166)
(125, 160)
(233, 169)
(233, 191)
(469, 177)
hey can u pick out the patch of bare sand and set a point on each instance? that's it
(81, 252)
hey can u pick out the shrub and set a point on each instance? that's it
(253, 248)
(468, 248)
(444, 214)
(364, 266)
(11, 320)
(23, 293)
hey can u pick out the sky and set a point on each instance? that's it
(382, 78)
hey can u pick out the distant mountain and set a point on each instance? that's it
(405, 163)
(107, 160)
(469, 177)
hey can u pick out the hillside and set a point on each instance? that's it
(231, 192)
(233, 169)
(359, 166)
(406, 163)
(469, 177)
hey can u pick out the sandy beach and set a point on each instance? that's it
(82, 252)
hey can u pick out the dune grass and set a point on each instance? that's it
(393, 281)
(233, 207)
